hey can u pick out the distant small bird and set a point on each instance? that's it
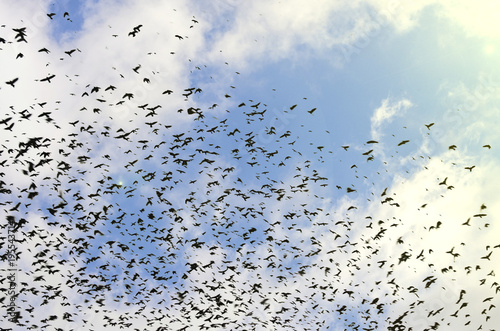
(70, 51)
(487, 257)
(47, 79)
(311, 111)
(428, 126)
(487, 146)
(51, 15)
(403, 142)
(12, 82)
(470, 168)
(452, 147)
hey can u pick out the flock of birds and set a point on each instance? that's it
(202, 217)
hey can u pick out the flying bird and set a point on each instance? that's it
(403, 142)
(12, 82)
(71, 51)
(47, 79)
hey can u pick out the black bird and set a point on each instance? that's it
(487, 257)
(428, 126)
(71, 51)
(47, 79)
(5, 120)
(403, 142)
(12, 82)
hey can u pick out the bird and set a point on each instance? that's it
(403, 142)
(487, 257)
(428, 126)
(48, 78)
(71, 51)
(12, 82)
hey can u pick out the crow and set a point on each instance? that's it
(12, 82)
(47, 79)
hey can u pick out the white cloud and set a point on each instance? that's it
(386, 113)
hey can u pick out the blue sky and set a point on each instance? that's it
(270, 223)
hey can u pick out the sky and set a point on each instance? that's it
(263, 165)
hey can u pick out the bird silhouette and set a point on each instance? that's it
(428, 126)
(403, 142)
(48, 78)
(12, 82)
